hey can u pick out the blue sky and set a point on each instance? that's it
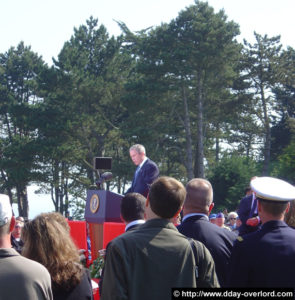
(47, 25)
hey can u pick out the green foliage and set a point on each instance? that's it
(20, 70)
(96, 267)
(262, 66)
(285, 167)
(78, 208)
(183, 89)
(229, 178)
(180, 65)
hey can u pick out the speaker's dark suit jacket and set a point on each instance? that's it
(265, 258)
(219, 242)
(147, 174)
(245, 213)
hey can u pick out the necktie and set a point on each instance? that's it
(253, 211)
(136, 174)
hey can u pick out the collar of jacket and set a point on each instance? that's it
(273, 224)
(6, 252)
(188, 216)
(163, 223)
(195, 218)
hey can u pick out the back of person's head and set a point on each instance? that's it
(248, 191)
(60, 219)
(273, 195)
(138, 148)
(5, 214)
(48, 242)
(166, 197)
(133, 207)
(274, 209)
(199, 196)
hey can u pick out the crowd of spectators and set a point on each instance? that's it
(172, 239)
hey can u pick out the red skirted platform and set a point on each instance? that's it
(78, 233)
(111, 230)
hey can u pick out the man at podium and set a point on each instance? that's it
(146, 172)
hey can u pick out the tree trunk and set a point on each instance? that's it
(62, 188)
(217, 149)
(66, 195)
(55, 194)
(22, 201)
(199, 162)
(189, 153)
(267, 141)
(25, 201)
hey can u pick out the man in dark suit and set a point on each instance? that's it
(132, 210)
(16, 241)
(266, 257)
(132, 214)
(195, 224)
(146, 172)
(248, 213)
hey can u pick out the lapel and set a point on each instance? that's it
(253, 208)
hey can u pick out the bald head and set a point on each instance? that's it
(199, 196)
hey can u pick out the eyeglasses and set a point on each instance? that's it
(232, 218)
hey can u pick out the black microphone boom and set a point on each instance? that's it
(104, 177)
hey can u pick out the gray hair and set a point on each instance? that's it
(232, 214)
(138, 148)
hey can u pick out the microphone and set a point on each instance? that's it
(104, 177)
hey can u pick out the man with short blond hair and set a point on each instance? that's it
(20, 278)
(195, 224)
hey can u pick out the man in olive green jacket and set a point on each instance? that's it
(148, 262)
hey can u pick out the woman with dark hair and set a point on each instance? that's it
(48, 241)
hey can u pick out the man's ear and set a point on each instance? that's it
(178, 212)
(12, 223)
(211, 207)
(258, 206)
(122, 218)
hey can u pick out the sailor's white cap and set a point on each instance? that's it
(273, 189)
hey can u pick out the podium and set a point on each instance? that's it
(101, 207)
